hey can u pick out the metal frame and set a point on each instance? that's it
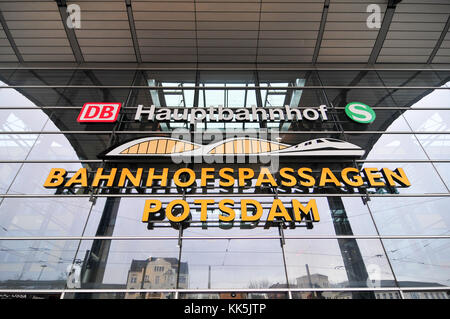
(215, 290)
(225, 237)
(215, 195)
(251, 67)
(289, 291)
(262, 88)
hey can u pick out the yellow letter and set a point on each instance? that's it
(355, 181)
(244, 174)
(229, 178)
(176, 177)
(80, 177)
(99, 176)
(262, 179)
(369, 172)
(259, 210)
(277, 203)
(149, 209)
(126, 174)
(205, 176)
(292, 180)
(398, 175)
(163, 177)
(311, 180)
(312, 206)
(204, 208)
(228, 210)
(183, 216)
(327, 176)
(55, 178)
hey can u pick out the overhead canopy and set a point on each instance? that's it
(245, 31)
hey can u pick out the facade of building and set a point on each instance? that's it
(237, 164)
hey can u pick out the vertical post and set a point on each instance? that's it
(309, 280)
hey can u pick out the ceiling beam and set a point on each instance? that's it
(323, 21)
(10, 38)
(137, 51)
(388, 15)
(70, 32)
(439, 42)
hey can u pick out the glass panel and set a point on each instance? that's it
(234, 295)
(443, 170)
(36, 264)
(16, 146)
(420, 262)
(8, 172)
(350, 78)
(415, 98)
(422, 176)
(131, 264)
(411, 216)
(346, 295)
(428, 121)
(43, 216)
(31, 178)
(373, 97)
(41, 77)
(337, 263)
(436, 146)
(120, 295)
(124, 218)
(388, 146)
(234, 263)
(427, 294)
(385, 121)
(410, 78)
(338, 216)
(288, 76)
(102, 77)
(68, 146)
(22, 120)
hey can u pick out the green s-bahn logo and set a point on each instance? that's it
(360, 112)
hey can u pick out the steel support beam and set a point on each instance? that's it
(323, 21)
(71, 36)
(388, 15)
(10, 38)
(439, 42)
(133, 31)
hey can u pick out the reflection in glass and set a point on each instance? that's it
(128, 264)
(39, 264)
(410, 215)
(420, 262)
(234, 263)
(331, 263)
(43, 216)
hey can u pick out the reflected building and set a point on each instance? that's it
(156, 273)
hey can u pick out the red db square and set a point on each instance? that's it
(99, 112)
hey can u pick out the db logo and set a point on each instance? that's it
(99, 112)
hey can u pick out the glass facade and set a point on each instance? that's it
(372, 242)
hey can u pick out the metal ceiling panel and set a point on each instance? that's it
(38, 29)
(6, 52)
(104, 23)
(347, 38)
(419, 22)
(214, 31)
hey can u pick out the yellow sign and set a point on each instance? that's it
(229, 177)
